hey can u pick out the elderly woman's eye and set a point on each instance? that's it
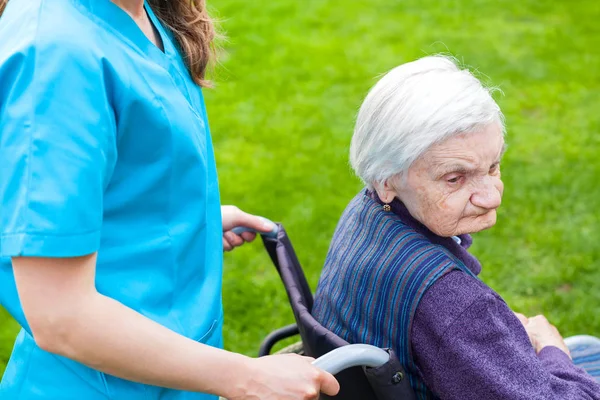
(494, 168)
(453, 179)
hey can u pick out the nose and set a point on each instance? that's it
(489, 194)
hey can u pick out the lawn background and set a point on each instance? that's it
(287, 91)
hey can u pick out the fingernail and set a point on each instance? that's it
(267, 224)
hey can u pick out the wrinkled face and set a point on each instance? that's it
(455, 187)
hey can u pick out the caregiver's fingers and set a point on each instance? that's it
(233, 239)
(248, 236)
(329, 385)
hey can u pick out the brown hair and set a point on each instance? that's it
(193, 29)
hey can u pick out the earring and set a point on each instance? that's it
(386, 207)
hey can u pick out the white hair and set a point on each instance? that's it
(412, 107)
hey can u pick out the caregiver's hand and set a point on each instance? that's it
(542, 333)
(284, 377)
(233, 217)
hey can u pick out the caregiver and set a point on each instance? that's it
(111, 226)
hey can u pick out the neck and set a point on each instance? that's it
(135, 8)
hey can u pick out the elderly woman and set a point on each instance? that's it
(428, 143)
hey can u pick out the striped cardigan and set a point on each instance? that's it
(376, 272)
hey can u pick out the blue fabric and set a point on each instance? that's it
(105, 148)
(377, 270)
(585, 352)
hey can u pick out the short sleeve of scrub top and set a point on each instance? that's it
(58, 151)
(105, 147)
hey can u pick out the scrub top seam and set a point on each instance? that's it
(185, 93)
(44, 234)
(31, 121)
(167, 217)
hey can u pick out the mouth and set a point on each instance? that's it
(487, 213)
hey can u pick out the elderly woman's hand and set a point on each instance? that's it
(542, 333)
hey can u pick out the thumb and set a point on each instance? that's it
(254, 222)
(329, 385)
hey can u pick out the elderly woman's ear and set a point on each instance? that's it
(388, 189)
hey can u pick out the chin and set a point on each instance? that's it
(446, 232)
(486, 221)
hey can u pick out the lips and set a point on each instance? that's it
(484, 214)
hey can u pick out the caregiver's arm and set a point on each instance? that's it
(469, 345)
(67, 316)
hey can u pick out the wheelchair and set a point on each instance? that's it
(364, 372)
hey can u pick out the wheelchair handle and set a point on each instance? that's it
(238, 230)
(352, 355)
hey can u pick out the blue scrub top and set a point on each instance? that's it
(105, 147)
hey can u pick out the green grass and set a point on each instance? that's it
(282, 116)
